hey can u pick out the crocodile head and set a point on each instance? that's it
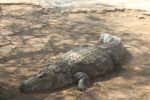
(43, 80)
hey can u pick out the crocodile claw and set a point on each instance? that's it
(81, 87)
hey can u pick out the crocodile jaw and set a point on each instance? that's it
(36, 83)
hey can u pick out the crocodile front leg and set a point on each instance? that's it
(83, 80)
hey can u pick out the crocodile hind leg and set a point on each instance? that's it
(83, 80)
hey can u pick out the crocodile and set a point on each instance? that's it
(79, 65)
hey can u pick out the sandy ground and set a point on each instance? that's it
(31, 36)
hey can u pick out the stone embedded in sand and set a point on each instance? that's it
(140, 17)
(120, 9)
(146, 13)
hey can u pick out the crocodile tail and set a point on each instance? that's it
(113, 43)
(109, 39)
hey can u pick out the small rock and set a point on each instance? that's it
(113, 9)
(93, 11)
(66, 11)
(146, 13)
(79, 11)
(140, 17)
(108, 10)
(120, 9)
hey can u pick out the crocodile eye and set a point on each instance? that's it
(42, 75)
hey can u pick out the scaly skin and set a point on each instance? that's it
(79, 64)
